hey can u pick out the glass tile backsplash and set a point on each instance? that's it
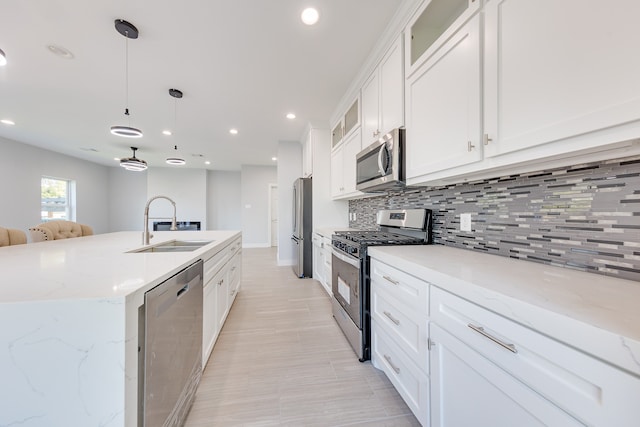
(585, 217)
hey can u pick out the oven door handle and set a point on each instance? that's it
(342, 257)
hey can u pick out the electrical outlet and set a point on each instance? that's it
(465, 222)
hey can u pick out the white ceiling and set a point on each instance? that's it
(241, 64)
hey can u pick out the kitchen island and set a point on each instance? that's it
(69, 315)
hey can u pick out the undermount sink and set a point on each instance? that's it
(174, 246)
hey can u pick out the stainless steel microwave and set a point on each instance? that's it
(380, 166)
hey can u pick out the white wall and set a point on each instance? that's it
(255, 182)
(289, 169)
(327, 213)
(21, 168)
(224, 200)
(186, 187)
(127, 197)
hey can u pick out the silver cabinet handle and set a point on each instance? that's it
(389, 279)
(394, 367)
(481, 331)
(220, 282)
(485, 139)
(393, 319)
(470, 146)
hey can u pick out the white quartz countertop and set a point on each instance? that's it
(596, 313)
(328, 231)
(96, 267)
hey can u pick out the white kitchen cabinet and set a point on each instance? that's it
(383, 96)
(469, 390)
(560, 69)
(222, 276)
(444, 106)
(399, 330)
(343, 167)
(349, 121)
(508, 374)
(307, 155)
(322, 261)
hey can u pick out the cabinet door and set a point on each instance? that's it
(337, 172)
(468, 390)
(391, 89)
(370, 111)
(557, 69)
(443, 106)
(209, 317)
(222, 285)
(352, 146)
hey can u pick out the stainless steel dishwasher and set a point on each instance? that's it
(170, 348)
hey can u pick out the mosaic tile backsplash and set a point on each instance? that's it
(585, 217)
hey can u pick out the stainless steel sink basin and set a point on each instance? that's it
(174, 246)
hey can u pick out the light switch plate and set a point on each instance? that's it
(465, 222)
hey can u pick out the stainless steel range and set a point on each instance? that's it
(350, 280)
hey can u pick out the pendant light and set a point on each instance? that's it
(176, 94)
(3, 58)
(133, 163)
(129, 31)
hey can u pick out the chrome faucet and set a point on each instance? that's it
(145, 234)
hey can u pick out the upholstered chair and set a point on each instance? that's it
(56, 230)
(10, 236)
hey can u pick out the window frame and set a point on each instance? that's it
(69, 202)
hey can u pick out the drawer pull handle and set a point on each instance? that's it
(393, 319)
(394, 367)
(395, 282)
(481, 331)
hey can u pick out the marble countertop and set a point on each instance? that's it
(95, 267)
(597, 314)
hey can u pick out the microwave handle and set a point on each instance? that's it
(383, 171)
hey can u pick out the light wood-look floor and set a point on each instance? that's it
(282, 360)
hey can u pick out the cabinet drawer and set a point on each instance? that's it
(412, 383)
(409, 328)
(405, 288)
(588, 389)
(214, 264)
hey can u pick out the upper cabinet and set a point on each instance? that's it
(559, 69)
(433, 24)
(347, 123)
(343, 167)
(383, 96)
(307, 155)
(444, 106)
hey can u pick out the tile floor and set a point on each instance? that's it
(281, 360)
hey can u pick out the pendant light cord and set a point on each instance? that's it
(126, 76)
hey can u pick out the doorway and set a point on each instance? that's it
(273, 214)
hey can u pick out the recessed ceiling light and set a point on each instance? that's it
(310, 16)
(7, 122)
(166, 132)
(60, 51)
(207, 162)
(274, 159)
(291, 116)
(3, 58)
(233, 131)
(117, 159)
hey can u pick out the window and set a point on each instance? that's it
(57, 199)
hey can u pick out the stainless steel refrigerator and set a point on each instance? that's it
(301, 236)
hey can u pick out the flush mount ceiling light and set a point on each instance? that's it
(310, 16)
(3, 58)
(291, 116)
(233, 131)
(133, 163)
(129, 31)
(176, 94)
(60, 51)
(166, 132)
